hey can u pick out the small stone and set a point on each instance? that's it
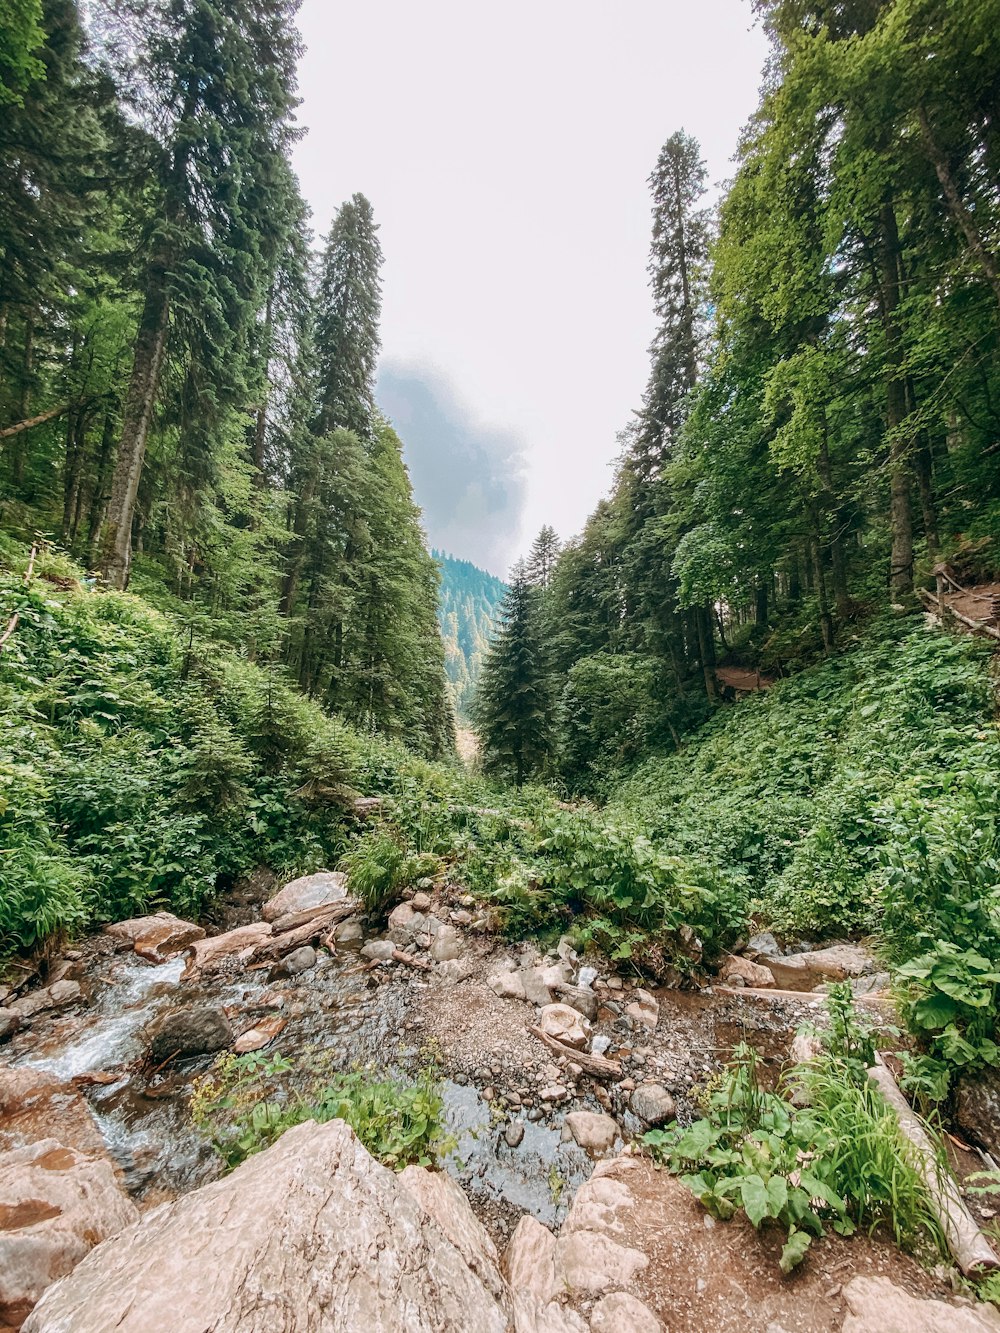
(488, 1094)
(615, 983)
(565, 1025)
(348, 931)
(586, 976)
(188, 1031)
(627, 1084)
(535, 1114)
(554, 1093)
(514, 1133)
(299, 960)
(738, 971)
(421, 902)
(462, 918)
(644, 1009)
(653, 1104)
(447, 944)
(595, 1133)
(10, 1021)
(461, 1079)
(507, 985)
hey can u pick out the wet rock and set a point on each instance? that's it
(299, 960)
(622, 1313)
(447, 944)
(261, 1035)
(10, 1021)
(379, 951)
(56, 996)
(653, 1104)
(57, 1204)
(590, 1263)
(977, 1109)
(507, 985)
(644, 1009)
(565, 1025)
(514, 1133)
(311, 893)
(157, 937)
(876, 1305)
(594, 1133)
(208, 954)
(34, 1105)
(741, 971)
(267, 1248)
(348, 931)
(806, 971)
(189, 1031)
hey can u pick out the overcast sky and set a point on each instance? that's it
(505, 150)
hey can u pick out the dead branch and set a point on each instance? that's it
(276, 946)
(595, 1065)
(410, 961)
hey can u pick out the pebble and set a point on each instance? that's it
(488, 1094)
(534, 1114)
(421, 902)
(514, 1133)
(461, 1080)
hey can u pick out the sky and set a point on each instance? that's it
(506, 150)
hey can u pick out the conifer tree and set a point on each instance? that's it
(513, 706)
(542, 558)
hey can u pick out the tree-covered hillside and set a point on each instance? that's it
(468, 604)
(186, 381)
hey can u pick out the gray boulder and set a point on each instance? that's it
(189, 1031)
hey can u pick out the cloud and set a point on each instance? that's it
(467, 478)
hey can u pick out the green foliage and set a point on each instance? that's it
(840, 1160)
(379, 866)
(469, 602)
(243, 1107)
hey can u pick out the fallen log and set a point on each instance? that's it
(293, 920)
(969, 1247)
(594, 1065)
(276, 946)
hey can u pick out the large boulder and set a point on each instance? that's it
(311, 893)
(56, 1204)
(311, 1236)
(816, 967)
(876, 1305)
(194, 1029)
(34, 1105)
(157, 937)
(57, 996)
(738, 971)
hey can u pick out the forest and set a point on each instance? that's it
(468, 605)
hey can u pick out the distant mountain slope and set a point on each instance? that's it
(469, 600)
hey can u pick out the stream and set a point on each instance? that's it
(340, 1015)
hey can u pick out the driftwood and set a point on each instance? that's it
(293, 920)
(410, 961)
(594, 1065)
(276, 946)
(970, 1248)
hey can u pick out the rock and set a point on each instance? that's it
(10, 1021)
(56, 996)
(653, 1104)
(364, 807)
(586, 977)
(311, 1234)
(421, 902)
(156, 937)
(595, 1133)
(507, 985)
(299, 960)
(622, 1313)
(644, 1009)
(57, 1204)
(529, 1260)
(311, 893)
(540, 982)
(532, 1317)
(514, 1133)
(453, 970)
(462, 917)
(189, 1031)
(601, 1045)
(379, 951)
(876, 1305)
(591, 1263)
(741, 971)
(34, 1105)
(555, 1092)
(447, 944)
(346, 932)
(443, 1199)
(205, 955)
(977, 1109)
(581, 999)
(763, 945)
(405, 923)
(565, 1025)
(261, 1035)
(806, 971)
(598, 1203)
(806, 1046)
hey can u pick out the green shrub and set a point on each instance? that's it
(242, 1108)
(379, 867)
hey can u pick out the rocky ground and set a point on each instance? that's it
(550, 1064)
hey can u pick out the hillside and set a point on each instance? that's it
(468, 604)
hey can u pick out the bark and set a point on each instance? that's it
(957, 207)
(819, 577)
(900, 475)
(760, 604)
(150, 350)
(706, 649)
(101, 493)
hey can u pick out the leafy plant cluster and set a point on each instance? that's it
(243, 1107)
(838, 1159)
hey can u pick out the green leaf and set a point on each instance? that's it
(753, 1192)
(794, 1250)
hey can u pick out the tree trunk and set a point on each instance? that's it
(150, 350)
(760, 603)
(706, 649)
(900, 476)
(24, 401)
(819, 576)
(957, 208)
(101, 493)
